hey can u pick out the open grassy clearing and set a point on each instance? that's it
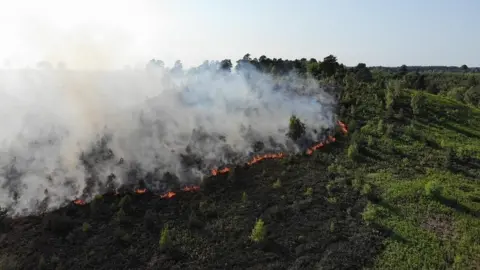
(422, 172)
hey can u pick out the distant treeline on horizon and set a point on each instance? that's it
(463, 68)
(279, 65)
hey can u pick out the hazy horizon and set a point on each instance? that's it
(116, 34)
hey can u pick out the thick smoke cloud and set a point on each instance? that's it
(66, 133)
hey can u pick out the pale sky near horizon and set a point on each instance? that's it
(108, 33)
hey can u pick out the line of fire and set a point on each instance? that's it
(256, 159)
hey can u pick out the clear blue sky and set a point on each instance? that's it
(422, 32)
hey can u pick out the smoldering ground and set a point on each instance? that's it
(69, 133)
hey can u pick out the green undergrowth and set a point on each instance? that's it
(423, 168)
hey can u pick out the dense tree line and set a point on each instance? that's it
(460, 83)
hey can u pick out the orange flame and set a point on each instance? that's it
(140, 190)
(168, 195)
(191, 188)
(266, 156)
(343, 126)
(217, 171)
(79, 202)
(255, 159)
(172, 194)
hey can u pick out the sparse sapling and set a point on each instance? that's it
(258, 232)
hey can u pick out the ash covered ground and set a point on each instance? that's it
(309, 222)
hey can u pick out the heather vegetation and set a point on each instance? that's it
(400, 190)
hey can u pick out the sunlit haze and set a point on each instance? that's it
(120, 33)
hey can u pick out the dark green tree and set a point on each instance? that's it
(433, 88)
(420, 82)
(472, 96)
(226, 65)
(417, 103)
(296, 128)
(403, 70)
(362, 73)
(329, 65)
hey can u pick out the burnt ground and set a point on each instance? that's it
(313, 221)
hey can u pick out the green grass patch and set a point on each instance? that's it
(425, 171)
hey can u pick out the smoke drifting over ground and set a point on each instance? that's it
(67, 134)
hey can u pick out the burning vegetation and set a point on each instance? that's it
(294, 124)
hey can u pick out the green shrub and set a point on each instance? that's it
(244, 197)
(308, 192)
(389, 99)
(164, 238)
(277, 184)
(258, 231)
(366, 190)
(121, 235)
(370, 213)
(125, 202)
(389, 130)
(417, 103)
(352, 151)
(457, 93)
(380, 126)
(332, 200)
(370, 141)
(472, 95)
(86, 227)
(358, 180)
(332, 226)
(369, 128)
(120, 216)
(433, 189)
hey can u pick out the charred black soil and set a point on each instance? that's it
(312, 221)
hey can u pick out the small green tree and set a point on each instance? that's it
(258, 231)
(457, 93)
(389, 99)
(380, 126)
(296, 128)
(277, 184)
(417, 102)
(125, 202)
(370, 213)
(433, 189)
(244, 197)
(352, 151)
(86, 227)
(308, 192)
(226, 65)
(164, 238)
(472, 96)
(388, 130)
(121, 216)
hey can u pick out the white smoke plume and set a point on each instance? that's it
(66, 132)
